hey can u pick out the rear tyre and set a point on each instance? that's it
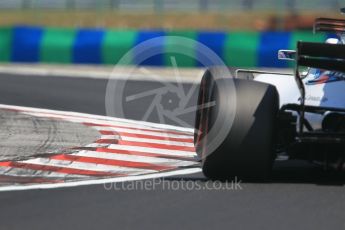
(247, 150)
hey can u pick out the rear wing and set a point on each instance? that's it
(329, 25)
(320, 25)
(321, 55)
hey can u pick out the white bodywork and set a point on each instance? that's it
(330, 94)
(326, 92)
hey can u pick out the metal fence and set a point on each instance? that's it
(175, 5)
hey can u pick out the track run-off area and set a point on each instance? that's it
(299, 196)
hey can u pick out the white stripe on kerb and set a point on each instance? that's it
(146, 140)
(138, 131)
(87, 166)
(167, 152)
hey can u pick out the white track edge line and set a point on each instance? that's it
(94, 74)
(99, 181)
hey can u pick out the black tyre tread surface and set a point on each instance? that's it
(247, 150)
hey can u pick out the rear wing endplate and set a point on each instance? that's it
(329, 25)
(289, 55)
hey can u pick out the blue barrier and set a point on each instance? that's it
(96, 46)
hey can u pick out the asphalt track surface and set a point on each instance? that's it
(298, 197)
(23, 136)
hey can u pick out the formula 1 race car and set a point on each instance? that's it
(247, 118)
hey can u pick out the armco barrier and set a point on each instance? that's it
(98, 46)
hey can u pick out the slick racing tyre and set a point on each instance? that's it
(246, 151)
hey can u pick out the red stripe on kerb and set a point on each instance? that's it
(58, 169)
(105, 132)
(142, 129)
(5, 163)
(135, 153)
(154, 145)
(120, 163)
(12, 110)
(107, 141)
(26, 180)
